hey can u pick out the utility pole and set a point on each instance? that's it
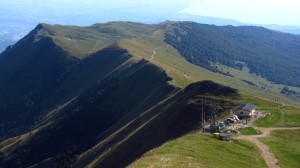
(214, 112)
(216, 126)
(203, 113)
(202, 118)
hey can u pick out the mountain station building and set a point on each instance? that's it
(245, 110)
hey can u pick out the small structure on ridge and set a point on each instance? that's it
(245, 110)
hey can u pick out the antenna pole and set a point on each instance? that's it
(214, 112)
(202, 118)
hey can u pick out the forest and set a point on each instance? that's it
(270, 54)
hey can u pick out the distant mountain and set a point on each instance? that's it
(207, 20)
(103, 95)
(13, 30)
(266, 53)
(286, 29)
(225, 22)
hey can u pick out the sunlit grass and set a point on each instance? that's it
(285, 146)
(199, 150)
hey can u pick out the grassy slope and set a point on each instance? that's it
(42, 71)
(265, 52)
(112, 99)
(278, 114)
(83, 41)
(171, 118)
(285, 146)
(200, 150)
(28, 73)
(184, 73)
(140, 40)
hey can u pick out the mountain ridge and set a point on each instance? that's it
(78, 106)
(228, 45)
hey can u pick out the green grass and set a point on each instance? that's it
(184, 73)
(285, 146)
(200, 150)
(291, 116)
(140, 40)
(83, 41)
(277, 114)
(249, 131)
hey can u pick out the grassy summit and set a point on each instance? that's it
(198, 150)
(83, 41)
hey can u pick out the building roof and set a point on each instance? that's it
(247, 106)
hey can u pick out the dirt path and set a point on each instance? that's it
(157, 48)
(153, 55)
(266, 151)
(187, 76)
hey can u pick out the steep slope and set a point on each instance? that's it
(4, 44)
(174, 117)
(43, 70)
(69, 112)
(114, 99)
(263, 51)
(156, 50)
(85, 96)
(28, 72)
(110, 105)
(115, 94)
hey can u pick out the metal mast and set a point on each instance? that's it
(202, 118)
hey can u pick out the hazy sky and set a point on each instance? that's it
(85, 12)
(284, 12)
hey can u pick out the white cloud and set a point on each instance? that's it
(286, 12)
